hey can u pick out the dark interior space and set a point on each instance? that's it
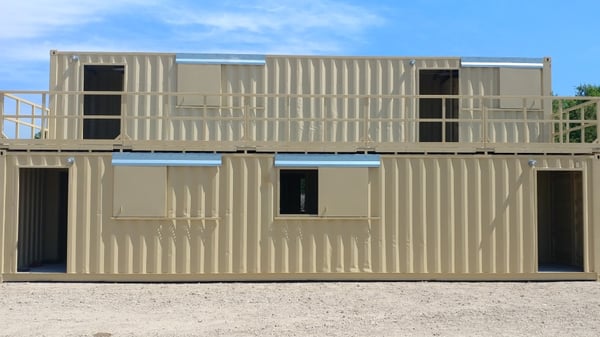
(438, 82)
(102, 78)
(560, 220)
(43, 208)
(298, 191)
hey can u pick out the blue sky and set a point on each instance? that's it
(563, 30)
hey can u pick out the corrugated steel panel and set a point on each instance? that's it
(155, 73)
(426, 214)
(3, 205)
(331, 83)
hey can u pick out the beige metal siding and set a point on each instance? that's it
(3, 206)
(426, 214)
(310, 102)
(155, 73)
(308, 95)
(476, 82)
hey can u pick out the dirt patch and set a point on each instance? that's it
(300, 309)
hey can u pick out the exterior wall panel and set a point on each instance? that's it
(300, 100)
(438, 215)
(155, 73)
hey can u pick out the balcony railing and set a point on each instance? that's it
(299, 122)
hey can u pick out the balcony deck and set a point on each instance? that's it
(153, 121)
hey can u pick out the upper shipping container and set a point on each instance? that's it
(304, 103)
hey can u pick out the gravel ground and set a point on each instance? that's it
(301, 309)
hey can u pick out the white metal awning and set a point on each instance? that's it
(327, 160)
(501, 62)
(165, 159)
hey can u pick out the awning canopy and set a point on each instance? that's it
(327, 160)
(165, 159)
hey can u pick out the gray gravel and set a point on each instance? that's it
(301, 309)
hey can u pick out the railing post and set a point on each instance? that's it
(443, 119)
(43, 121)
(289, 117)
(17, 117)
(526, 124)
(561, 126)
(123, 131)
(366, 121)
(484, 128)
(246, 137)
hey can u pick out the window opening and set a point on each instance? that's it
(102, 78)
(438, 82)
(298, 191)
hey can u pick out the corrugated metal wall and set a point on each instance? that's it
(155, 73)
(4, 204)
(306, 120)
(427, 214)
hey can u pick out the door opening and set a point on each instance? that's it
(560, 220)
(43, 209)
(438, 82)
(102, 78)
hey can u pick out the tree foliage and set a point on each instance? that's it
(579, 114)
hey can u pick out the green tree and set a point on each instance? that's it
(582, 112)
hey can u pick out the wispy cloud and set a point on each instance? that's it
(287, 26)
(35, 18)
(29, 29)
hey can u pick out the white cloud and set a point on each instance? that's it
(279, 16)
(28, 19)
(29, 29)
(287, 27)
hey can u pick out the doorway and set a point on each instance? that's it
(560, 220)
(42, 228)
(102, 78)
(438, 82)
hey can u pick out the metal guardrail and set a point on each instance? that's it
(22, 118)
(307, 120)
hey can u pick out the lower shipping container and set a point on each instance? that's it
(90, 216)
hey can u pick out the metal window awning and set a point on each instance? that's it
(327, 160)
(501, 62)
(239, 59)
(165, 159)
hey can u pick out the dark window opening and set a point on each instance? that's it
(102, 78)
(42, 227)
(438, 82)
(298, 191)
(560, 220)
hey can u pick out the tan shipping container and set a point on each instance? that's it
(301, 102)
(427, 217)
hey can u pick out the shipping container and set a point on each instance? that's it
(204, 167)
